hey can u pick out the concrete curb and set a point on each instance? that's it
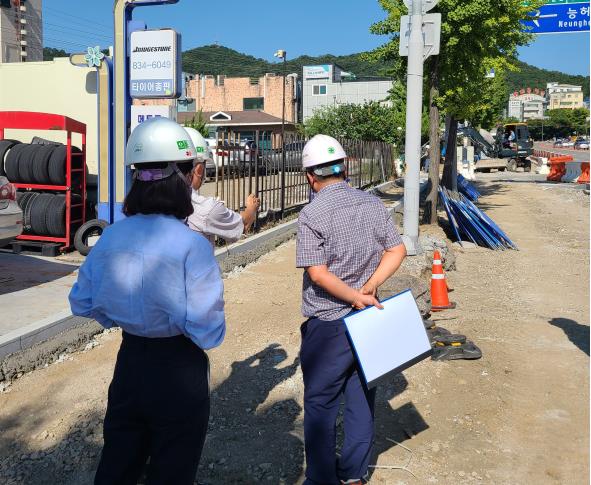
(30, 347)
(36, 344)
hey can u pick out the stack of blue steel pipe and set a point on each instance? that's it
(468, 220)
(467, 189)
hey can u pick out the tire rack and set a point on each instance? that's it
(24, 120)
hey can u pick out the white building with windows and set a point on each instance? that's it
(330, 85)
(21, 31)
(527, 104)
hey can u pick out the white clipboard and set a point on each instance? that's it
(388, 341)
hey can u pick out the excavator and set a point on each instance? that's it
(509, 149)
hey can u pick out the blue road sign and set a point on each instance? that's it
(559, 18)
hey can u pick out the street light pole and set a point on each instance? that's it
(281, 54)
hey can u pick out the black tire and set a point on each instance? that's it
(89, 228)
(57, 166)
(55, 217)
(22, 198)
(27, 206)
(5, 145)
(41, 164)
(39, 208)
(25, 163)
(11, 162)
(527, 167)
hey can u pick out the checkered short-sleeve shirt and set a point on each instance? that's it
(347, 230)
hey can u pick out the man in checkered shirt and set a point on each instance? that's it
(348, 245)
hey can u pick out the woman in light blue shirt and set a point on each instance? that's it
(159, 281)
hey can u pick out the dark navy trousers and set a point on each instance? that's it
(158, 408)
(330, 374)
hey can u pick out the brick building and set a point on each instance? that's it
(220, 93)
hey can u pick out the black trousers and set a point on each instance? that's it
(330, 375)
(158, 407)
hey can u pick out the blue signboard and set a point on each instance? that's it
(559, 18)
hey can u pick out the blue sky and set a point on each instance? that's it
(261, 27)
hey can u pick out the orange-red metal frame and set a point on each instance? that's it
(25, 120)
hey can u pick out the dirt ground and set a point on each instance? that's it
(520, 415)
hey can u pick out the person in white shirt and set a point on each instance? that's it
(210, 216)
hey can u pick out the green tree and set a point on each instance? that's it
(369, 121)
(198, 123)
(50, 53)
(568, 122)
(476, 36)
(383, 121)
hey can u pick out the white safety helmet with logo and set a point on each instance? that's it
(158, 140)
(319, 152)
(201, 146)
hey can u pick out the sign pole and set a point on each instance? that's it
(414, 105)
(123, 15)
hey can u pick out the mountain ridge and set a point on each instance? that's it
(217, 59)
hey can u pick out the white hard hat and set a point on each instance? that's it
(201, 147)
(159, 140)
(320, 150)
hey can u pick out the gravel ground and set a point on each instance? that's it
(519, 415)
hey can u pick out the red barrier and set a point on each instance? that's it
(584, 177)
(557, 167)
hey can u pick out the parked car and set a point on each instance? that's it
(293, 156)
(568, 143)
(581, 144)
(211, 165)
(11, 215)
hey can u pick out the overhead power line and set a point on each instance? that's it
(69, 29)
(65, 14)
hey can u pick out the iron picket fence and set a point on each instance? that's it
(255, 165)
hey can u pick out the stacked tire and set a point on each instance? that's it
(33, 163)
(44, 214)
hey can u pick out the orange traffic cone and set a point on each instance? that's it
(439, 270)
(439, 299)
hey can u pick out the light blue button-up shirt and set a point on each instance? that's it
(154, 277)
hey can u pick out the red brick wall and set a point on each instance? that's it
(229, 96)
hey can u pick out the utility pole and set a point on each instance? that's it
(414, 107)
(419, 38)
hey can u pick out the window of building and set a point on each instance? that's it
(253, 104)
(319, 90)
(220, 115)
(254, 81)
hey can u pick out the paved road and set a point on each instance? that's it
(578, 155)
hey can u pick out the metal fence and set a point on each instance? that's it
(255, 165)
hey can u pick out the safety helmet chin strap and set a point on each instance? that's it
(155, 174)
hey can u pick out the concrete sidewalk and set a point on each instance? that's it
(32, 289)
